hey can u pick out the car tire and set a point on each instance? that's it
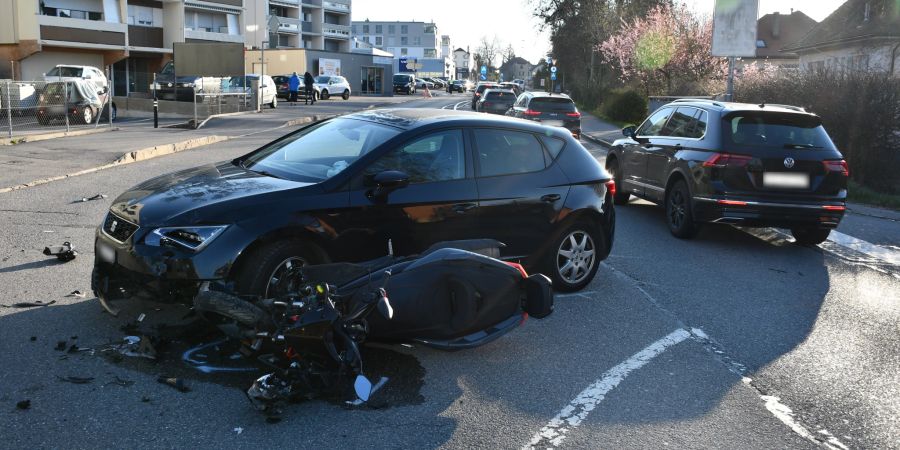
(574, 257)
(86, 116)
(220, 308)
(325, 95)
(621, 197)
(274, 103)
(810, 236)
(264, 264)
(346, 94)
(679, 211)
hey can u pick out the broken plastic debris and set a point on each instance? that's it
(96, 197)
(238, 430)
(24, 404)
(77, 294)
(76, 380)
(174, 382)
(141, 317)
(30, 304)
(64, 252)
(136, 346)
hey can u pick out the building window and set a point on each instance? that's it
(403, 51)
(353, 29)
(379, 41)
(429, 29)
(404, 29)
(391, 41)
(365, 29)
(429, 53)
(404, 40)
(760, 43)
(378, 29)
(391, 29)
(417, 40)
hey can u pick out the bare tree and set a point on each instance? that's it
(508, 54)
(488, 50)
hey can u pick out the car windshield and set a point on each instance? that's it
(65, 72)
(321, 151)
(239, 81)
(401, 79)
(322, 79)
(55, 89)
(778, 130)
(550, 104)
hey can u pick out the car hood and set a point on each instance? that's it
(199, 195)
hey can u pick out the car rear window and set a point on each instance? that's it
(401, 78)
(774, 130)
(73, 72)
(495, 95)
(550, 104)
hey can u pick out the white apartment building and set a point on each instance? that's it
(408, 41)
(309, 24)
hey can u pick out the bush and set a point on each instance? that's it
(625, 105)
(860, 111)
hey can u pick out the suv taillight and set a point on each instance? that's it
(574, 114)
(837, 166)
(720, 160)
(531, 112)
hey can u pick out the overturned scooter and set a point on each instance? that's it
(454, 296)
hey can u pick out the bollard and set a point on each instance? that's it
(66, 104)
(155, 113)
(9, 108)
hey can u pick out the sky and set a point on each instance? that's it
(466, 21)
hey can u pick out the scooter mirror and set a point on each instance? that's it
(363, 387)
(385, 308)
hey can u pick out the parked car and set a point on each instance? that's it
(182, 88)
(520, 83)
(404, 83)
(496, 101)
(479, 90)
(267, 87)
(18, 97)
(350, 187)
(750, 165)
(76, 99)
(438, 83)
(513, 87)
(93, 75)
(283, 87)
(328, 85)
(555, 110)
(421, 83)
(456, 86)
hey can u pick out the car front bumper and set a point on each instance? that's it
(753, 213)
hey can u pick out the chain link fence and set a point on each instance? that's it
(39, 107)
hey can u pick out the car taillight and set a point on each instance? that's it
(731, 203)
(837, 166)
(834, 208)
(477, 94)
(720, 160)
(611, 187)
(531, 112)
(574, 114)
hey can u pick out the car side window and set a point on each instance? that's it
(699, 128)
(505, 152)
(654, 124)
(434, 157)
(681, 124)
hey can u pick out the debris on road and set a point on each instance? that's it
(35, 304)
(88, 199)
(174, 382)
(24, 404)
(65, 252)
(77, 294)
(136, 347)
(120, 382)
(238, 430)
(76, 380)
(61, 345)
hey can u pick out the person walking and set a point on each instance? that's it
(293, 87)
(310, 89)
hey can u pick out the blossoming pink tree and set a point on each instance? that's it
(670, 45)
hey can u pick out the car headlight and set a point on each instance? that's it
(192, 238)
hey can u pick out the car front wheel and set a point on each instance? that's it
(679, 211)
(574, 258)
(325, 95)
(346, 94)
(265, 271)
(810, 236)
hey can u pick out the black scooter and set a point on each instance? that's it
(455, 295)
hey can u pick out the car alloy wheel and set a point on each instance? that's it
(87, 115)
(678, 211)
(278, 283)
(576, 257)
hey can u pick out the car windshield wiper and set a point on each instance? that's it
(801, 146)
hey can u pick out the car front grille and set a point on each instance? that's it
(118, 228)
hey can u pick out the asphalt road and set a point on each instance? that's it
(730, 340)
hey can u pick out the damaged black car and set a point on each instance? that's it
(347, 188)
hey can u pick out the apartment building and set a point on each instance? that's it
(310, 24)
(409, 41)
(134, 38)
(464, 62)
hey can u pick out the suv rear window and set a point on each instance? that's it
(401, 78)
(499, 95)
(552, 104)
(775, 130)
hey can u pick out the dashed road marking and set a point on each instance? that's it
(887, 255)
(553, 434)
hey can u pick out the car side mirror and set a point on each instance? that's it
(386, 182)
(630, 131)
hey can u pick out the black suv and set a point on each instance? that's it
(404, 83)
(555, 110)
(732, 163)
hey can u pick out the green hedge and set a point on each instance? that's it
(625, 105)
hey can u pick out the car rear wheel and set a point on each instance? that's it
(574, 258)
(87, 115)
(325, 95)
(810, 236)
(346, 94)
(679, 212)
(265, 271)
(274, 103)
(621, 197)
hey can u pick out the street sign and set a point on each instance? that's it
(483, 70)
(415, 66)
(483, 77)
(734, 28)
(553, 69)
(542, 82)
(553, 76)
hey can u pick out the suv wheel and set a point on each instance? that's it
(574, 257)
(346, 94)
(679, 213)
(621, 197)
(810, 236)
(325, 94)
(264, 269)
(87, 115)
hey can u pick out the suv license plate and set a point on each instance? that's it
(786, 180)
(552, 123)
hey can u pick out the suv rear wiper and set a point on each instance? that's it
(801, 146)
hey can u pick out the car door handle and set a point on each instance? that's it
(461, 208)
(550, 198)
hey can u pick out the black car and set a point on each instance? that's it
(555, 110)
(456, 86)
(405, 84)
(283, 86)
(496, 101)
(750, 165)
(479, 90)
(350, 188)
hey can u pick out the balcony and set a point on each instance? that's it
(331, 30)
(82, 30)
(289, 25)
(311, 3)
(336, 6)
(285, 3)
(204, 35)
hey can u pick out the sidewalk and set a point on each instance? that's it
(599, 131)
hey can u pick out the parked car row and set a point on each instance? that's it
(78, 93)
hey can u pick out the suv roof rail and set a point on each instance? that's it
(699, 100)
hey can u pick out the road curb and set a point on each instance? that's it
(128, 158)
(61, 134)
(600, 142)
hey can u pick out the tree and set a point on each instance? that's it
(669, 46)
(508, 54)
(487, 52)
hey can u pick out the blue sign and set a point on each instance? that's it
(553, 76)
(553, 69)
(402, 65)
(483, 77)
(483, 70)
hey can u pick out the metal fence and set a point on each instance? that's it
(207, 105)
(39, 107)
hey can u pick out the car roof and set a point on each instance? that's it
(505, 91)
(75, 65)
(542, 94)
(729, 107)
(410, 118)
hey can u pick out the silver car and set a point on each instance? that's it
(328, 85)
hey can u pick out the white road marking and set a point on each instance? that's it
(582, 294)
(887, 255)
(786, 415)
(553, 434)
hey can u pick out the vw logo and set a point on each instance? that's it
(788, 162)
(112, 227)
